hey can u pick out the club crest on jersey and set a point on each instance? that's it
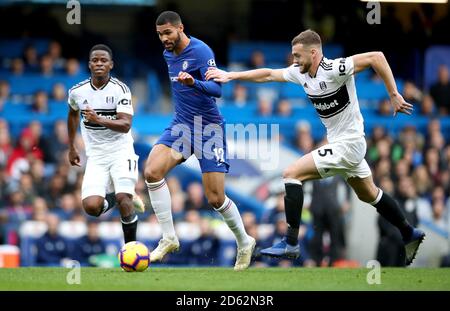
(185, 65)
(109, 99)
(323, 85)
(212, 63)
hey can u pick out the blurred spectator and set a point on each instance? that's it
(51, 248)
(195, 198)
(248, 219)
(272, 214)
(40, 102)
(55, 188)
(432, 163)
(284, 108)
(6, 148)
(382, 169)
(46, 64)
(59, 93)
(330, 197)
(240, 95)
(257, 60)
(37, 172)
(27, 188)
(412, 94)
(422, 180)
(427, 107)
(192, 216)
(412, 143)
(72, 67)
(55, 53)
(4, 93)
(384, 108)
(439, 211)
(88, 245)
(178, 206)
(402, 169)
(57, 143)
(66, 207)
(40, 209)
(26, 151)
(304, 139)
(18, 209)
(4, 183)
(265, 107)
(17, 67)
(440, 91)
(205, 249)
(31, 59)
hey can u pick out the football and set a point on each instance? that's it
(134, 257)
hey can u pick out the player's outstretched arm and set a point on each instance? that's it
(378, 62)
(73, 119)
(256, 75)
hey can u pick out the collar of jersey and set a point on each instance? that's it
(102, 87)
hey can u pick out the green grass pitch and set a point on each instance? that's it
(205, 279)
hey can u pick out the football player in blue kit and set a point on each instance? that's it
(197, 128)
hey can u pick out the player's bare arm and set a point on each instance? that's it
(256, 75)
(121, 124)
(378, 62)
(73, 120)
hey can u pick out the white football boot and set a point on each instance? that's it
(165, 246)
(244, 256)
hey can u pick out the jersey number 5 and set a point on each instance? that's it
(324, 152)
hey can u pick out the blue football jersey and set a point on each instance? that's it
(190, 101)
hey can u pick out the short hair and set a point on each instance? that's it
(170, 17)
(307, 37)
(101, 47)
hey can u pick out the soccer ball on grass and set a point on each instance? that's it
(134, 257)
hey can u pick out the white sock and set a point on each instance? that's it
(230, 214)
(162, 205)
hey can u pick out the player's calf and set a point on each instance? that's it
(128, 216)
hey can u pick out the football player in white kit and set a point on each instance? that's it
(330, 85)
(105, 106)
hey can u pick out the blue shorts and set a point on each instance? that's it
(209, 145)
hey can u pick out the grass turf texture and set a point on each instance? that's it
(204, 279)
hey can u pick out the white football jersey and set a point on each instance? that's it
(107, 101)
(333, 93)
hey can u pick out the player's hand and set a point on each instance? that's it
(74, 157)
(217, 75)
(400, 105)
(185, 78)
(91, 116)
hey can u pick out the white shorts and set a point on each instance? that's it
(345, 158)
(112, 173)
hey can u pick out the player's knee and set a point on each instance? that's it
(153, 174)
(289, 172)
(92, 209)
(215, 200)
